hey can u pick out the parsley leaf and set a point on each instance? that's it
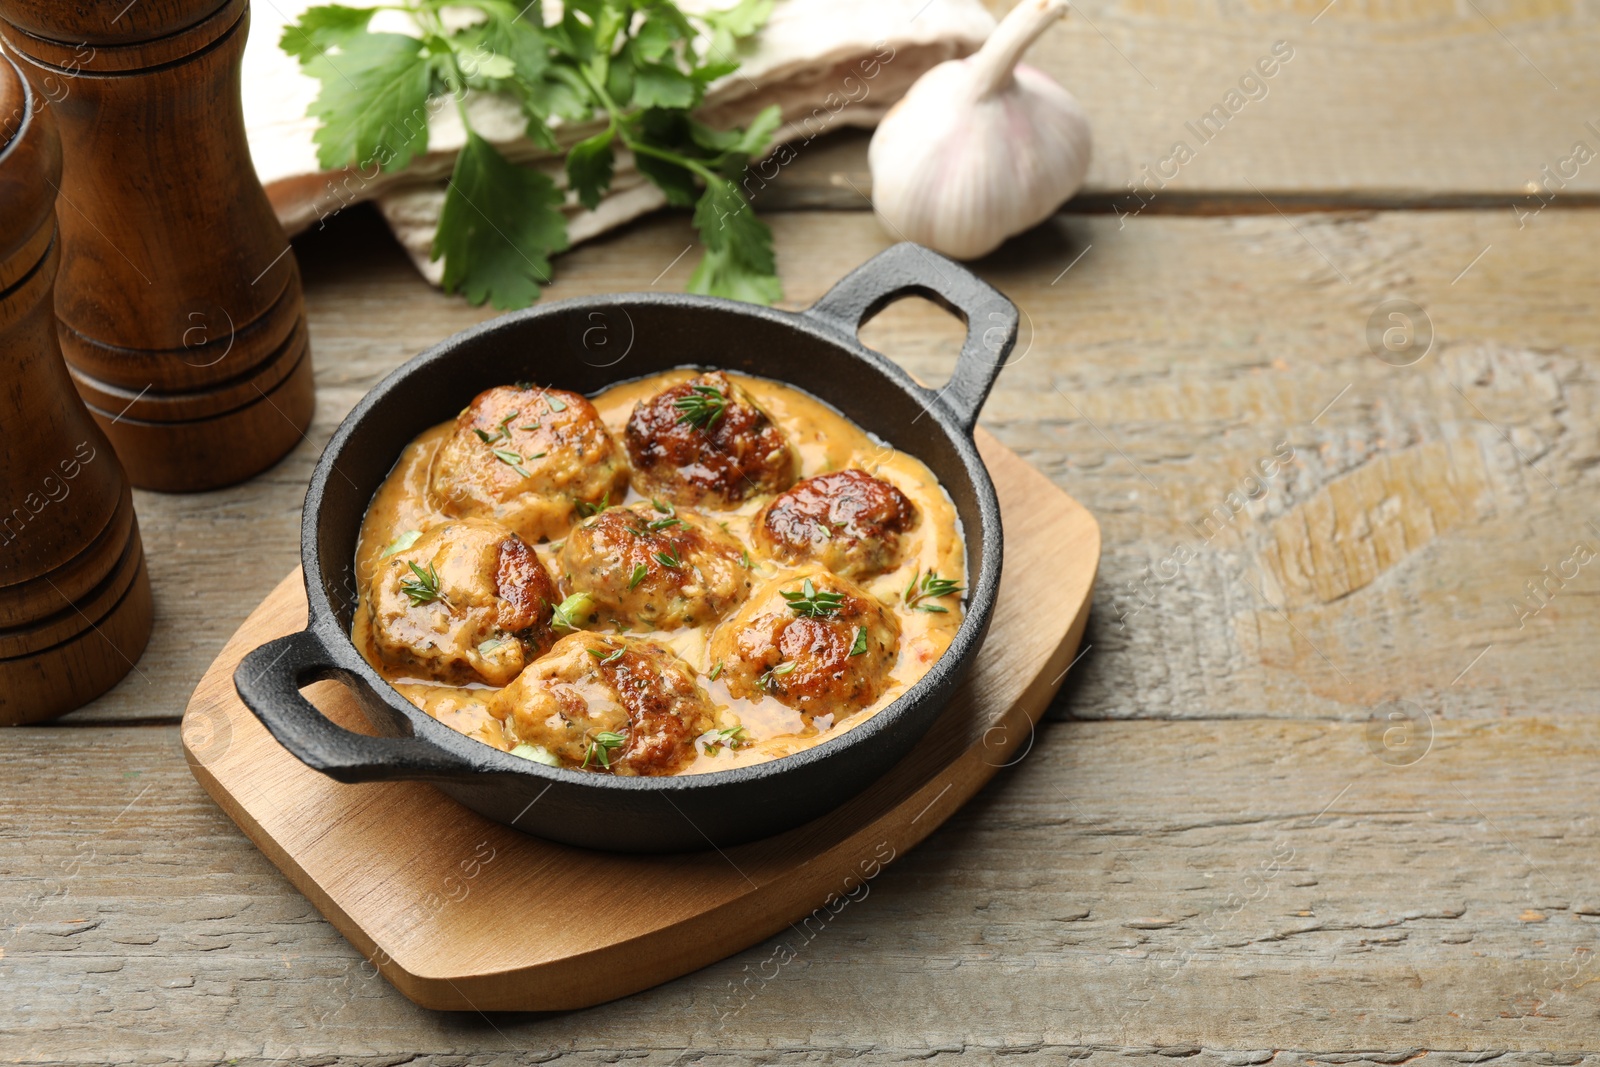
(589, 167)
(499, 225)
(659, 85)
(743, 18)
(640, 66)
(322, 28)
(374, 103)
(739, 262)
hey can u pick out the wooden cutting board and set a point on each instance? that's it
(461, 913)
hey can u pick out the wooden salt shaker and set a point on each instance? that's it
(74, 595)
(179, 301)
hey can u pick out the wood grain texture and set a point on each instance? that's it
(1190, 740)
(647, 919)
(1105, 896)
(1412, 102)
(75, 607)
(1383, 104)
(180, 306)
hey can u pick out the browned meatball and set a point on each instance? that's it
(705, 442)
(606, 704)
(819, 643)
(466, 602)
(848, 521)
(527, 457)
(654, 569)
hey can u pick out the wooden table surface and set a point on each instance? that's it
(1322, 788)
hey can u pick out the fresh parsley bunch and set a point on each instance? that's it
(641, 65)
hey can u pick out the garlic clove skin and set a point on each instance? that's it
(980, 148)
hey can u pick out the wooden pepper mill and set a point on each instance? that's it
(179, 301)
(74, 595)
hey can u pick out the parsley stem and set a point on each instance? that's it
(641, 148)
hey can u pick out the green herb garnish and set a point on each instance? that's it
(401, 543)
(663, 524)
(765, 681)
(668, 559)
(607, 657)
(536, 753)
(858, 647)
(555, 402)
(811, 603)
(600, 747)
(702, 407)
(587, 509)
(513, 460)
(731, 737)
(640, 68)
(424, 588)
(932, 587)
(486, 647)
(569, 614)
(665, 509)
(638, 576)
(502, 431)
(715, 671)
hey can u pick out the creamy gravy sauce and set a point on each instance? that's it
(824, 441)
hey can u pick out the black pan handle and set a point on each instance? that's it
(269, 681)
(908, 269)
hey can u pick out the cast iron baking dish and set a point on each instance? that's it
(585, 345)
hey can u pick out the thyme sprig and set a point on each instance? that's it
(932, 587)
(423, 588)
(600, 746)
(702, 407)
(809, 602)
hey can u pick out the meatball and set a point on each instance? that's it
(817, 642)
(607, 704)
(655, 569)
(527, 458)
(466, 602)
(706, 443)
(848, 521)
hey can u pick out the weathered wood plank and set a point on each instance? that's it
(1389, 97)
(1390, 103)
(1233, 886)
(1158, 368)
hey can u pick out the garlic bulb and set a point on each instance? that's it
(980, 148)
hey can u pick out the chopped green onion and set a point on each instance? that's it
(567, 615)
(536, 753)
(401, 543)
